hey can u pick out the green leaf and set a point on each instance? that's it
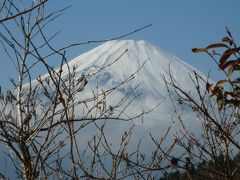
(230, 71)
(220, 102)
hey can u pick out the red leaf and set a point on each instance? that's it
(226, 55)
(218, 45)
(229, 63)
(209, 87)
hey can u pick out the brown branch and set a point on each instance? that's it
(23, 12)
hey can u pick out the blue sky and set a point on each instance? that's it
(177, 26)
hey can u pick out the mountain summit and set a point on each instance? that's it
(136, 53)
(130, 56)
(114, 61)
(144, 68)
(124, 81)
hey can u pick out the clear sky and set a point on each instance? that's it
(177, 26)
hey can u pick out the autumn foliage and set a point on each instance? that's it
(226, 90)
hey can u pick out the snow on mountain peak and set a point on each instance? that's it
(111, 63)
(135, 53)
(115, 61)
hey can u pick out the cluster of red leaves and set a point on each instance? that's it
(229, 62)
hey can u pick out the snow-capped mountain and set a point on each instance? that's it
(115, 61)
(134, 54)
(133, 72)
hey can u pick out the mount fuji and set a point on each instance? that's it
(115, 61)
(134, 75)
(144, 68)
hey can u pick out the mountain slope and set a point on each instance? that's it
(133, 72)
(151, 64)
(127, 76)
(159, 63)
(114, 62)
